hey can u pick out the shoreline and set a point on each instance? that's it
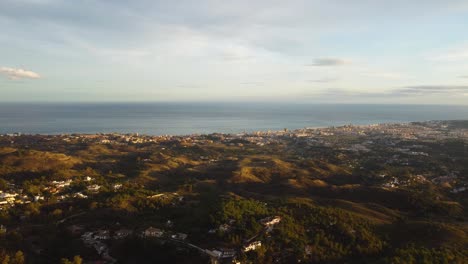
(244, 133)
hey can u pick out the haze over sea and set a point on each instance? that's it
(190, 118)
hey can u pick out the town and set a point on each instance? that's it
(313, 195)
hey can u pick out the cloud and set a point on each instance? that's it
(340, 92)
(463, 76)
(217, 44)
(236, 58)
(252, 83)
(329, 62)
(383, 75)
(189, 86)
(17, 74)
(404, 92)
(323, 80)
(452, 56)
(433, 89)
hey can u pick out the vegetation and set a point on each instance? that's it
(336, 205)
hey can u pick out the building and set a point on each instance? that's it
(272, 220)
(252, 246)
(152, 232)
(80, 195)
(94, 188)
(179, 236)
(122, 233)
(227, 252)
(224, 228)
(222, 253)
(169, 223)
(102, 234)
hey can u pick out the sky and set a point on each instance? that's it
(330, 51)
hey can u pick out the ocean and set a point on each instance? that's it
(197, 118)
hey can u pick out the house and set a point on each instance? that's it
(6, 195)
(215, 253)
(38, 198)
(102, 234)
(62, 184)
(308, 249)
(224, 228)
(100, 247)
(222, 253)
(252, 246)
(9, 197)
(94, 188)
(152, 232)
(155, 196)
(227, 253)
(179, 236)
(80, 195)
(53, 190)
(272, 220)
(459, 189)
(87, 237)
(122, 233)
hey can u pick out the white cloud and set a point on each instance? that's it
(433, 89)
(17, 74)
(255, 47)
(383, 75)
(324, 80)
(452, 56)
(329, 62)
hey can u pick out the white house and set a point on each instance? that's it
(252, 246)
(153, 232)
(272, 220)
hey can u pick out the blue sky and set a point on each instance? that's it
(367, 51)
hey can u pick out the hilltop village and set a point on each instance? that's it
(381, 193)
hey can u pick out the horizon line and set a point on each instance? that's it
(223, 102)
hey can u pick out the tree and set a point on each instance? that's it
(6, 259)
(57, 213)
(18, 258)
(65, 261)
(3, 184)
(77, 260)
(33, 209)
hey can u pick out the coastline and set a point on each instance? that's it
(190, 118)
(284, 132)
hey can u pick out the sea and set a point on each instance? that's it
(202, 118)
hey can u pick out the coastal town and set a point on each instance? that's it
(229, 198)
(403, 141)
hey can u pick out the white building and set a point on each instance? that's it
(272, 220)
(252, 246)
